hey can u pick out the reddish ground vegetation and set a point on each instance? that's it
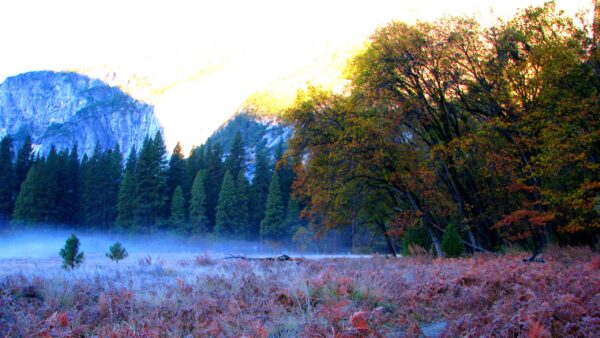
(378, 297)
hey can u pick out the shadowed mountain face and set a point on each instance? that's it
(63, 109)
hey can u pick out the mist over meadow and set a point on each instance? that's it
(46, 242)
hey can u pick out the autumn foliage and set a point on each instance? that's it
(495, 130)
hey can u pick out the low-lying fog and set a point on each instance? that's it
(47, 242)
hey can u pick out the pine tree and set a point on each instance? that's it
(226, 218)
(49, 202)
(452, 244)
(259, 190)
(101, 179)
(117, 252)
(176, 174)
(150, 183)
(292, 218)
(198, 221)
(126, 197)
(23, 163)
(70, 254)
(236, 161)
(242, 226)
(285, 172)
(214, 181)
(271, 226)
(72, 191)
(29, 198)
(177, 218)
(7, 177)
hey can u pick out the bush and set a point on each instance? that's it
(415, 237)
(70, 254)
(452, 244)
(117, 252)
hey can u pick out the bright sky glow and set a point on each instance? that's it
(199, 61)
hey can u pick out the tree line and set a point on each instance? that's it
(493, 132)
(207, 192)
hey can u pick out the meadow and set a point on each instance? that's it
(203, 295)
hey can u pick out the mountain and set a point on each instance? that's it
(258, 132)
(65, 108)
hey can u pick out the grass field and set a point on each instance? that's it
(183, 295)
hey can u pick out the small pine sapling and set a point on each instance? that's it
(70, 254)
(452, 244)
(117, 252)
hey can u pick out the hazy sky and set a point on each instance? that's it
(198, 61)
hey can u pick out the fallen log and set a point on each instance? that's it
(282, 258)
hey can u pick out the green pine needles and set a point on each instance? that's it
(117, 252)
(70, 254)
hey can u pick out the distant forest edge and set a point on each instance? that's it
(450, 138)
(206, 194)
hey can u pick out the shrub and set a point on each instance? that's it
(70, 254)
(415, 237)
(452, 244)
(117, 252)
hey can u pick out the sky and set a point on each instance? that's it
(198, 62)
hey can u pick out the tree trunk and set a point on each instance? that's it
(388, 239)
(596, 25)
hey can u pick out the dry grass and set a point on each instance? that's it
(182, 295)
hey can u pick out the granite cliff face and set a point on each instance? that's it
(63, 109)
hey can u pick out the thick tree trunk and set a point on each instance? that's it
(387, 237)
(596, 24)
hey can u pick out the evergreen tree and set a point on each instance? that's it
(150, 184)
(226, 218)
(194, 163)
(452, 244)
(242, 226)
(285, 172)
(23, 163)
(7, 177)
(117, 252)
(70, 254)
(292, 218)
(50, 197)
(198, 221)
(271, 226)
(176, 174)
(126, 197)
(236, 161)
(27, 205)
(72, 191)
(177, 218)
(101, 179)
(259, 190)
(214, 181)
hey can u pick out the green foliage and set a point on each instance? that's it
(7, 177)
(70, 254)
(23, 162)
(198, 220)
(236, 160)
(226, 209)
(272, 226)
(117, 252)
(101, 179)
(452, 244)
(176, 173)
(214, 180)
(150, 185)
(415, 236)
(126, 197)
(259, 190)
(177, 218)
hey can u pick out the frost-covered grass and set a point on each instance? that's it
(203, 295)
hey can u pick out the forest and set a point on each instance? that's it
(489, 136)
(206, 193)
(447, 126)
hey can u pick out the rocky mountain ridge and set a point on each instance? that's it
(65, 108)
